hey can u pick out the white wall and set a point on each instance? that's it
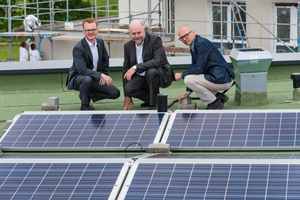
(137, 7)
(261, 10)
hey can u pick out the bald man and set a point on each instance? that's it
(145, 67)
(209, 72)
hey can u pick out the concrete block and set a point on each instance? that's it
(186, 101)
(8, 123)
(47, 107)
(53, 101)
(159, 148)
(250, 98)
(191, 106)
(296, 94)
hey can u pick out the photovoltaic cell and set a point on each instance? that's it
(58, 180)
(82, 130)
(215, 181)
(235, 129)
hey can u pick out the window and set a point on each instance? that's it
(286, 28)
(231, 33)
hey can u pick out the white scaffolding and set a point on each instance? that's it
(164, 23)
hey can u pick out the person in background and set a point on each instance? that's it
(31, 22)
(89, 72)
(34, 53)
(23, 53)
(145, 67)
(209, 72)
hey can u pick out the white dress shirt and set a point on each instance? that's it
(139, 56)
(94, 51)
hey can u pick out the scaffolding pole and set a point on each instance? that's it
(264, 27)
(298, 26)
(221, 5)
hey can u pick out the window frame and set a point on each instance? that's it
(293, 26)
(230, 20)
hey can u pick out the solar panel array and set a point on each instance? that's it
(112, 130)
(58, 180)
(239, 129)
(215, 181)
(146, 176)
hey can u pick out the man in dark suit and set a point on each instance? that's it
(209, 72)
(145, 67)
(89, 72)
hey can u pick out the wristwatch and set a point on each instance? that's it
(134, 67)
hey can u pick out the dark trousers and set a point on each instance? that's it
(91, 89)
(145, 87)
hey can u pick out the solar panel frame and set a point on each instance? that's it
(233, 130)
(60, 130)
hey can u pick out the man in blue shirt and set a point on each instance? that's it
(209, 72)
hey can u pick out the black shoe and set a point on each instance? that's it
(86, 107)
(152, 108)
(145, 104)
(216, 105)
(224, 98)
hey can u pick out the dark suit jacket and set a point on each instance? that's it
(207, 60)
(154, 56)
(83, 62)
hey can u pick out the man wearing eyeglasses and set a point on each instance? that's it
(89, 72)
(209, 72)
(145, 67)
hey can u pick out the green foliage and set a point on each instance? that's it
(4, 12)
(59, 8)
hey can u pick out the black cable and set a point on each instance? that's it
(197, 98)
(134, 143)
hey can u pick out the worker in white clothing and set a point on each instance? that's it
(34, 53)
(30, 23)
(23, 53)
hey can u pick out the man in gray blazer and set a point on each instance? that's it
(89, 72)
(145, 67)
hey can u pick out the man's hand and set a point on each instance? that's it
(178, 76)
(182, 96)
(127, 103)
(129, 74)
(105, 79)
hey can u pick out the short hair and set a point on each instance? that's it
(23, 44)
(88, 20)
(187, 26)
(137, 22)
(32, 46)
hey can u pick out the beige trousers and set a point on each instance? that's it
(205, 89)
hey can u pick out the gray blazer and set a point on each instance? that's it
(83, 62)
(153, 56)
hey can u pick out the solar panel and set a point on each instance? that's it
(83, 130)
(213, 181)
(60, 180)
(264, 129)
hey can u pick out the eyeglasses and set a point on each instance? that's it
(90, 30)
(181, 38)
